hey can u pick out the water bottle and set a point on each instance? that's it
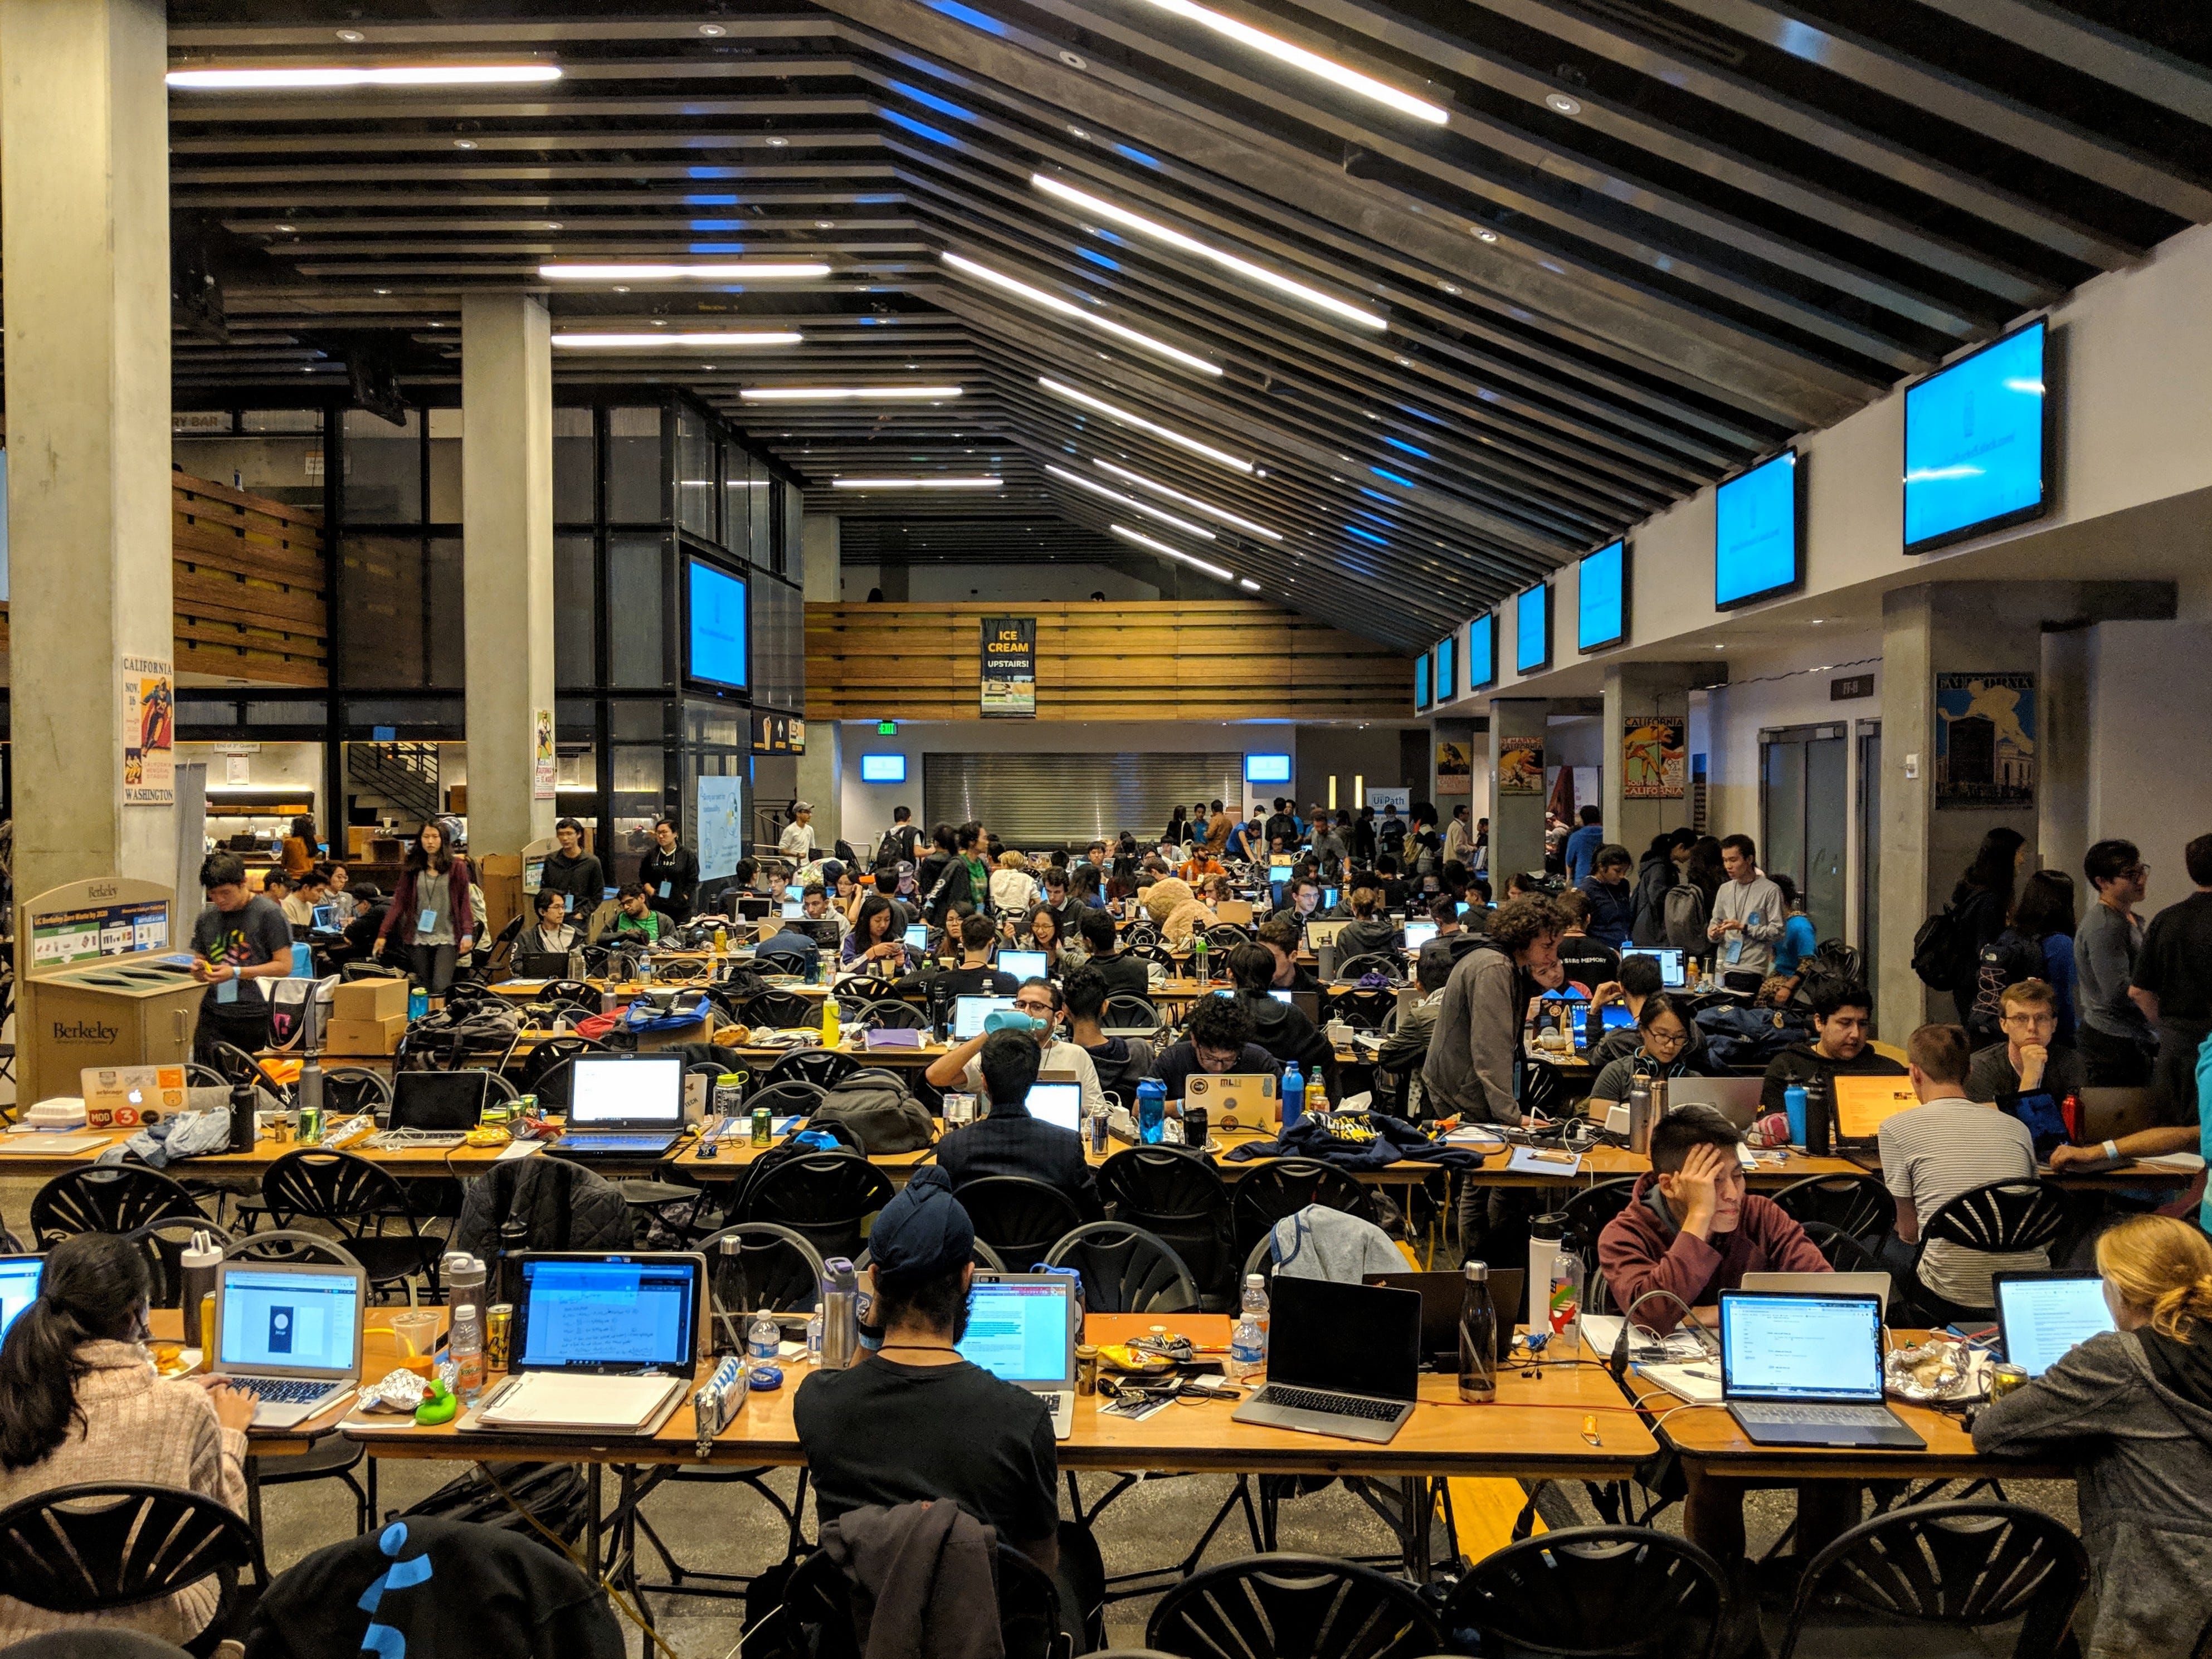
(1151, 1111)
(1198, 964)
(766, 1341)
(418, 1003)
(1818, 1121)
(243, 1129)
(1639, 1116)
(1567, 1303)
(1294, 1093)
(815, 1336)
(199, 1261)
(1477, 1338)
(1793, 1106)
(1545, 1233)
(465, 1350)
(840, 1339)
(831, 1028)
(1248, 1351)
(1256, 1305)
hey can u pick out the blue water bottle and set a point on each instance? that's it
(1151, 1111)
(418, 1003)
(1294, 1094)
(1793, 1106)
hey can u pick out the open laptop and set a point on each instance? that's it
(1806, 1370)
(1342, 1359)
(624, 1106)
(1674, 964)
(1021, 1328)
(1443, 1295)
(1249, 1097)
(2042, 1315)
(603, 1342)
(1320, 934)
(1735, 1098)
(1863, 1104)
(290, 1332)
(969, 1014)
(1306, 1002)
(1022, 965)
(1060, 1104)
(542, 964)
(18, 1286)
(1875, 1285)
(323, 918)
(917, 938)
(433, 1108)
(1419, 934)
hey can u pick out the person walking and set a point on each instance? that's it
(432, 914)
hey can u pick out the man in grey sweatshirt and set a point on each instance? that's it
(1474, 1053)
(1748, 915)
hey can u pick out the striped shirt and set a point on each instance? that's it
(1939, 1150)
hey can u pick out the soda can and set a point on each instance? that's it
(311, 1126)
(499, 1335)
(2004, 1378)
(763, 1127)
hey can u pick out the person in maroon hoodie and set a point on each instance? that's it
(1690, 1227)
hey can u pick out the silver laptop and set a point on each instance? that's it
(1342, 1360)
(1736, 1098)
(1021, 1328)
(291, 1332)
(1877, 1286)
(1057, 1102)
(1806, 1370)
(2041, 1317)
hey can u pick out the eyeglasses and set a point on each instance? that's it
(2045, 1017)
(1042, 1009)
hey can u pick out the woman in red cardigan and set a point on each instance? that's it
(431, 913)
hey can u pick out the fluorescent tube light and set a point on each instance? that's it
(1113, 413)
(1190, 501)
(915, 484)
(1131, 502)
(319, 77)
(1037, 296)
(687, 341)
(845, 394)
(1311, 61)
(713, 270)
(1160, 547)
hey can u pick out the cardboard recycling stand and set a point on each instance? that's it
(102, 978)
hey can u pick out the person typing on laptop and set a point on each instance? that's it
(1842, 1021)
(1010, 1142)
(553, 935)
(80, 1403)
(1217, 1038)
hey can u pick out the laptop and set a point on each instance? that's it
(1323, 934)
(624, 1106)
(1863, 1104)
(543, 964)
(323, 918)
(917, 938)
(602, 1342)
(1443, 1295)
(1419, 934)
(18, 1286)
(794, 909)
(755, 907)
(969, 1014)
(1674, 966)
(1342, 1360)
(1022, 1329)
(290, 1332)
(2040, 1316)
(1306, 1002)
(1735, 1098)
(1249, 1097)
(1060, 1104)
(433, 1108)
(1806, 1370)
(1875, 1285)
(1022, 965)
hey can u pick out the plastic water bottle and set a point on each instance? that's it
(1793, 1105)
(1151, 1111)
(831, 1027)
(1294, 1093)
(1567, 1303)
(1198, 963)
(465, 1344)
(418, 1003)
(1256, 1305)
(766, 1341)
(1248, 1351)
(814, 1336)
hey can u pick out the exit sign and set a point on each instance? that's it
(1854, 685)
(887, 728)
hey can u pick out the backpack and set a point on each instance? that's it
(875, 1106)
(1648, 901)
(1683, 919)
(1832, 964)
(890, 850)
(2005, 960)
(1943, 951)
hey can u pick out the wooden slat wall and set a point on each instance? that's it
(248, 586)
(1216, 659)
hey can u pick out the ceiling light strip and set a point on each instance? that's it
(718, 271)
(1165, 550)
(1312, 63)
(1037, 296)
(1128, 418)
(1190, 501)
(321, 78)
(586, 342)
(1131, 502)
(845, 394)
(915, 484)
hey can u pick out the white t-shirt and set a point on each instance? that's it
(797, 842)
(1064, 1057)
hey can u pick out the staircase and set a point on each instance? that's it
(404, 773)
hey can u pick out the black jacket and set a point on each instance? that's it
(1801, 1062)
(1283, 1029)
(580, 879)
(958, 888)
(565, 1207)
(1125, 975)
(680, 870)
(1010, 1142)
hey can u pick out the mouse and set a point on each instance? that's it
(710, 1149)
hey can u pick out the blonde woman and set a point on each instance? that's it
(2133, 1409)
(1013, 890)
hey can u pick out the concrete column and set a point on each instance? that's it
(84, 237)
(821, 768)
(1633, 691)
(822, 559)
(506, 524)
(1517, 821)
(2062, 800)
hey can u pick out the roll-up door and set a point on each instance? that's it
(1038, 799)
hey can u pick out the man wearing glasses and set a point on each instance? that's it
(1037, 1011)
(2117, 1042)
(2028, 1061)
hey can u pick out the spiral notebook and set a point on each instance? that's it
(552, 1399)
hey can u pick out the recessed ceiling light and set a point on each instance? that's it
(383, 290)
(1128, 418)
(1405, 362)
(622, 288)
(713, 31)
(1817, 621)
(1481, 235)
(1564, 105)
(555, 224)
(1037, 296)
(465, 143)
(1161, 547)
(322, 77)
(1072, 61)
(778, 143)
(718, 271)
(690, 342)
(1190, 501)
(1311, 61)
(284, 227)
(1077, 132)
(1247, 584)
(1450, 288)
(844, 394)
(945, 483)
(825, 224)
(351, 37)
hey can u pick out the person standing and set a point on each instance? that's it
(671, 870)
(431, 913)
(2115, 1039)
(1981, 902)
(2172, 986)
(240, 943)
(1748, 913)
(797, 842)
(574, 873)
(1458, 838)
(1582, 845)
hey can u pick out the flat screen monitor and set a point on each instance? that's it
(1531, 629)
(1482, 651)
(883, 769)
(969, 1014)
(1447, 685)
(1421, 682)
(1601, 598)
(720, 636)
(642, 1091)
(917, 936)
(1758, 543)
(1022, 965)
(1673, 965)
(18, 1286)
(1267, 768)
(1976, 449)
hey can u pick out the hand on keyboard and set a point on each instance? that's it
(234, 1407)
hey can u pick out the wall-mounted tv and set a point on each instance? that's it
(1267, 768)
(1976, 443)
(883, 769)
(1448, 668)
(1420, 682)
(1759, 531)
(719, 636)
(1602, 598)
(1531, 629)
(1482, 651)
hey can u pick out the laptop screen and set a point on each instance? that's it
(1328, 896)
(619, 1312)
(969, 1014)
(1863, 1104)
(794, 908)
(646, 1090)
(1419, 934)
(1022, 965)
(1674, 971)
(18, 1286)
(324, 916)
(290, 1320)
(1020, 1331)
(1801, 1347)
(917, 936)
(1348, 1339)
(1057, 1102)
(438, 1100)
(2043, 1315)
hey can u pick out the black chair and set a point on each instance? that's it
(2000, 1218)
(238, 1066)
(1125, 1269)
(814, 1620)
(112, 1198)
(826, 1197)
(839, 1131)
(1591, 1591)
(358, 1201)
(1391, 965)
(887, 1014)
(778, 1011)
(1127, 1012)
(1843, 1251)
(823, 1068)
(793, 1098)
(1952, 1566)
(1179, 1195)
(755, 1267)
(1225, 936)
(1287, 1186)
(164, 1242)
(1589, 1210)
(574, 993)
(1017, 1217)
(116, 1643)
(290, 1244)
(1293, 1607)
(106, 1545)
(1364, 1011)
(551, 1054)
(349, 1091)
(1859, 1205)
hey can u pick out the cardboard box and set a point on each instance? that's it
(123, 1097)
(368, 1000)
(365, 1037)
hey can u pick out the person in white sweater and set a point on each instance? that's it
(1748, 914)
(1013, 890)
(80, 1404)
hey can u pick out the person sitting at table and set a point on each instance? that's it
(1282, 935)
(814, 899)
(1217, 1039)
(80, 1404)
(2132, 1408)
(1009, 1141)
(876, 943)
(1589, 962)
(1035, 1011)
(1125, 975)
(311, 889)
(1640, 977)
(277, 888)
(1843, 1019)
(1041, 930)
(2029, 1061)
(1371, 930)
(1120, 1062)
(1281, 1028)
(369, 906)
(553, 931)
(1201, 864)
(789, 951)
(975, 976)
(636, 922)
(1663, 1050)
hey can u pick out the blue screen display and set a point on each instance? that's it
(1974, 442)
(719, 632)
(1267, 768)
(1447, 667)
(883, 769)
(1755, 549)
(1602, 614)
(1531, 629)
(1482, 651)
(1421, 681)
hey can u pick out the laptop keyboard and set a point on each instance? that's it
(287, 1390)
(1823, 1417)
(614, 1143)
(1337, 1405)
(400, 1140)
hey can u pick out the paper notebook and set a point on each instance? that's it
(546, 1399)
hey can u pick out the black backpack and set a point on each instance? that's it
(1943, 951)
(1833, 965)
